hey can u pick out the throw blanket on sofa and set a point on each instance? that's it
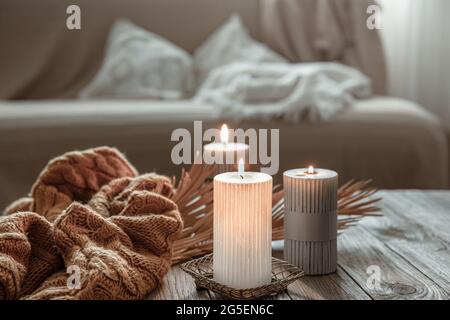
(326, 30)
(89, 214)
(315, 91)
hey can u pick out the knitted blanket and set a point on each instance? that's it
(92, 228)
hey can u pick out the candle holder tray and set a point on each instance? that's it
(201, 270)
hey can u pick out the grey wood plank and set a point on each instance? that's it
(409, 244)
(410, 235)
(430, 209)
(337, 286)
(178, 285)
(359, 249)
(432, 259)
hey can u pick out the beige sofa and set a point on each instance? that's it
(43, 66)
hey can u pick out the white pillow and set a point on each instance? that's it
(231, 43)
(141, 64)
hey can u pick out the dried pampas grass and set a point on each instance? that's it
(194, 197)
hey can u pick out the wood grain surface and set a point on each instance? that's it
(408, 247)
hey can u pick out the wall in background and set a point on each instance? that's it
(417, 39)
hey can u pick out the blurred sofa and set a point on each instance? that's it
(43, 65)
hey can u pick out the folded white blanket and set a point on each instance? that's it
(313, 91)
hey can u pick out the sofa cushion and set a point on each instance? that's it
(231, 43)
(141, 64)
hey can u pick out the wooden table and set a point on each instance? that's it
(409, 246)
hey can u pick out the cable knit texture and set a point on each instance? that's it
(91, 214)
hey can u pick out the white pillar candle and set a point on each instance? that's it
(242, 229)
(310, 220)
(225, 152)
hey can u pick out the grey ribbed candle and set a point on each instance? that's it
(310, 221)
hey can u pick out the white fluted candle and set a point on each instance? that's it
(242, 228)
(310, 221)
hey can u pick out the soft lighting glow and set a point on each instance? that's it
(241, 168)
(310, 170)
(224, 134)
(242, 229)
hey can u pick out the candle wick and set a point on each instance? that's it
(241, 168)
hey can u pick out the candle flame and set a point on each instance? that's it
(241, 168)
(310, 170)
(224, 134)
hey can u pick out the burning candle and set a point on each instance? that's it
(225, 153)
(310, 221)
(242, 228)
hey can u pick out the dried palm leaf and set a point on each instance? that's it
(194, 197)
